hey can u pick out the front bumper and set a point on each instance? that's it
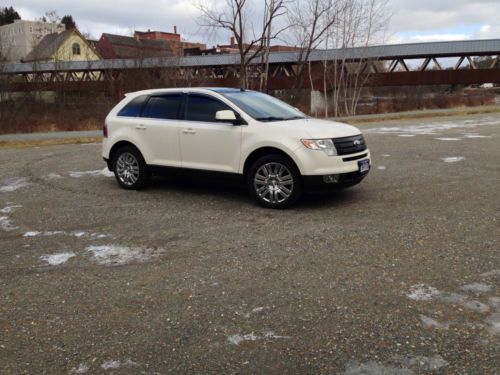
(317, 163)
(343, 180)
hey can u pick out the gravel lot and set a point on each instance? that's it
(399, 275)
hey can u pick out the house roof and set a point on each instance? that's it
(129, 47)
(121, 39)
(46, 48)
(49, 45)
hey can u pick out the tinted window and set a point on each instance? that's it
(133, 109)
(163, 107)
(203, 108)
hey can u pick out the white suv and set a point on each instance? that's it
(276, 149)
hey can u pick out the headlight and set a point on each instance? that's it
(325, 145)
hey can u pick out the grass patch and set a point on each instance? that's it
(49, 142)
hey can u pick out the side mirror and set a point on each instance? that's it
(225, 116)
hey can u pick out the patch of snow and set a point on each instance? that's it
(381, 168)
(9, 209)
(434, 127)
(272, 335)
(493, 322)
(12, 184)
(374, 368)
(117, 255)
(386, 155)
(406, 135)
(474, 136)
(97, 173)
(476, 288)
(448, 139)
(494, 302)
(237, 339)
(453, 159)
(57, 259)
(495, 273)
(422, 292)
(423, 363)
(81, 369)
(257, 309)
(431, 323)
(454, 298)
(6, 224)
(52, 176)
(77, 234)
(112, 365)
(476, 306)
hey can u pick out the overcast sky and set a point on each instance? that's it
(412, 20)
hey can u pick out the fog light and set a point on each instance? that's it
(331, 178)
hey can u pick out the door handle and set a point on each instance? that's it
(189, 131)
(140, 127)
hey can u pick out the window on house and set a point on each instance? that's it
(31, 29)
(76, 49)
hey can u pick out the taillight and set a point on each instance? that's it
(105, 131)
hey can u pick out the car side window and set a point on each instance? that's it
(204, 108)
(134, 107)
(166, 107)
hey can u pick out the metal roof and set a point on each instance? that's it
(408, 51)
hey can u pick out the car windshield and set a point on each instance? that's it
(263, 107)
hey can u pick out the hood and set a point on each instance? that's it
(317, 129)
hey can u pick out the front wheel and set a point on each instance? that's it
(274, 182)
(131, 170)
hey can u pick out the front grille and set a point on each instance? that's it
(350, 145)
(357, 157)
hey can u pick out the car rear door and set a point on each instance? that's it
(205, 143)
(158, 128)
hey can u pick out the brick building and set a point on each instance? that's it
(112, 46)
(144, 44)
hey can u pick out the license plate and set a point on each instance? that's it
(364, 165)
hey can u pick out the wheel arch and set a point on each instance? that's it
(263, 151)
(116, 147)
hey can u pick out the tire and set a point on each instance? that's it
(274, 182)
(130, 169)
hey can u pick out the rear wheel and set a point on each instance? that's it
(274, 182)
(130, 169)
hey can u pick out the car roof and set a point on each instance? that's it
(220, 90)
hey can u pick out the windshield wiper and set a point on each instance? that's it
(295, 118)
(270, 118)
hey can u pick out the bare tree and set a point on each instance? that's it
(361, 24)
(341, 25)
(52, 16)
(235, 18)
(311, 21)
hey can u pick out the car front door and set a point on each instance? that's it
(205, 143)
(159, 128)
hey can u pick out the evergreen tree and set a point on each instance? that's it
(68, 22)
(8, 15)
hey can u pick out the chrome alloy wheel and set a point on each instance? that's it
(127, 168)
(273, 183)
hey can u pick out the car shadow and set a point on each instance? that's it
(235, 191)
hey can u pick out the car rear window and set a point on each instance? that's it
(164, 107)
(134, 108)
